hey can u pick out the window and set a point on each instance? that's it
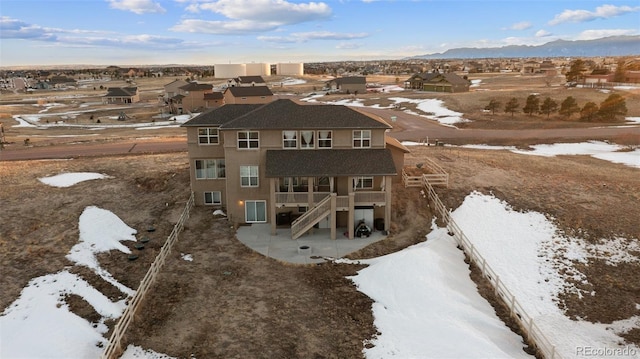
(362, 138)
(289, 139)
(212, 198)
(363, 182)
(249, 176)
(208, 136)
(307, 139)
(248, 139)
(210, 169)
(255, 211)
(324, 139)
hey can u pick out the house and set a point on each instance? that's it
(122, 95)
(247, 81)
(531, 67)
(350, 84)
(194, 95)
(289, 164)
(437, 82)
(213, 99)
(247, 95)
(174, 88)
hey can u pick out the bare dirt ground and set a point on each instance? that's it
(232, 302)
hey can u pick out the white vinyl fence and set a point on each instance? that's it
(532, 331)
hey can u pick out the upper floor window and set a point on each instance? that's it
(249, 176)
(362, 138)
(363, 182)
(289, 139)
(248, 139)
(210, 169)
(307, 139)
(324, 139)
(208, 136)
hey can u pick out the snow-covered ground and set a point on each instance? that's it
(598, 149)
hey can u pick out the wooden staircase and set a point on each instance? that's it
(316, 213)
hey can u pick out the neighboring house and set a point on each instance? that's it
(632, 77)
(122, 95)
(531, 67)
(62, 81)
(194, 95)
(351, 84)
(214, 99)
(175, 104)
(174, 88)
(437, 82)
(328, 166)
(598, 78)
(247, 81)
(247, 95)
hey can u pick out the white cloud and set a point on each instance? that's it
(313, 35)
(522, 25)
(137, 6)
(273, 11)
(601, 12)
(543, 33)
(347, 46)
(597, 34)
(223, 27)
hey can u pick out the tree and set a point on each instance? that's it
(548, 106)
(589, 111)
(612, 106)
(512, 106)
(493, 106)
(619, 75)
(532, 106)
(575, 71)
(568, 107)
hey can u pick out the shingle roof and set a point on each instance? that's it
(216, 95)
(121, 91)
(350, 80)
(220, 115)
(194, 86)
(286, 114)
(433, 77)
(240, 91)
(250, 79)
(335, 162)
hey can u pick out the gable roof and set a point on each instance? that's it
(250, 79)
(247, 91)
(220, 115)
(337, 162)
(216, 95)
(434, 77)
(287, 114)
(195, 86)
(121, 91)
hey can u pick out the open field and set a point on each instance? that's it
(237, 303)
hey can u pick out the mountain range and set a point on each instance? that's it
(607, 46)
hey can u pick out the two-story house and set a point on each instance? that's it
(247, 95)
(286, 163)
(194, 95)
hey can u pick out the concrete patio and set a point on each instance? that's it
(311, 248)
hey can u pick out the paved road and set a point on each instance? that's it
(94, 149)
(414, 128)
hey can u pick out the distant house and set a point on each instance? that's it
(247, 81)
(214, 99)
(531, 67)
(350, 84)
(122, 95)
(247, 95)
(437, 82)
(174, 88)
(194, 95)
(61, 81)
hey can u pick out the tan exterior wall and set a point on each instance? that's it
(249, 100)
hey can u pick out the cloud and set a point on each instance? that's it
(313, 35)
(597, 34)
(601, 12)
(16, 29)
(223, 27)
(522, 25)
(137, 6)
(543, 33)
(348, 46)
(272, 11)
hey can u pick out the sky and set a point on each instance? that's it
(424, 298)
(206, 32)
